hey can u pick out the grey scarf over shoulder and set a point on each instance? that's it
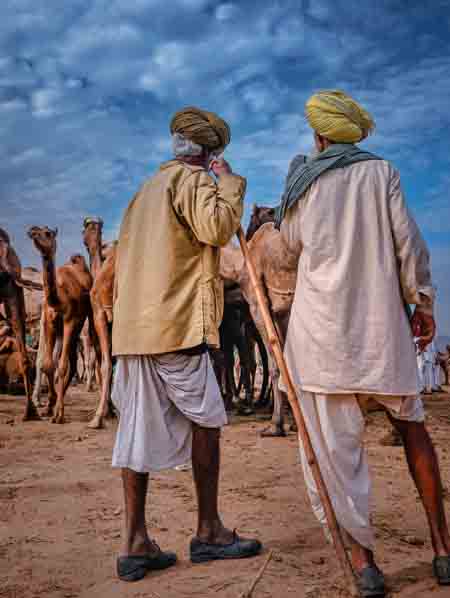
(304, 171)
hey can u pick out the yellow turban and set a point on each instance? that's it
(202, 127)
(336, 116)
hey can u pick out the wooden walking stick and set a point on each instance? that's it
(277, 350)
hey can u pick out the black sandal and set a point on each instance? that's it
(134, 568)
(239, 548)
(371, 582)
(441, 570)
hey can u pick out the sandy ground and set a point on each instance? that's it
(61, 512)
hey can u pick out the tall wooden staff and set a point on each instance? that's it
(275, 344)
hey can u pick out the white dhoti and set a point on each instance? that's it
(336, 425)
(437, 376)
(158, 398)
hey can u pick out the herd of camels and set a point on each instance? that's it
(67, 311)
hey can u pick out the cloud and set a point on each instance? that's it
(87, 91)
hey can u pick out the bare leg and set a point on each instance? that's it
(424, 469)
(361, 557)
(136, 539)
(205, 464)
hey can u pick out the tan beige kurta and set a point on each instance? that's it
(362, 256)
(169, 295)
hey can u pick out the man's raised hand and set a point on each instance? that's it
(220, 167)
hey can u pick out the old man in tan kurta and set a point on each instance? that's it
(362, 259)
(167, 311)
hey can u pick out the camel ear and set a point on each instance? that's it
(254, 208)
(56, 231)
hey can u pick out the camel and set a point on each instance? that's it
(102, 307)
(66, 307)
(237, 330)
(13, 301)
(276, 268)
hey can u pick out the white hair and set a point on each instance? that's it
(185, 147)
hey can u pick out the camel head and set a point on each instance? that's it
(79, 261)
(260, 215)
(92, 234)
(44, 239)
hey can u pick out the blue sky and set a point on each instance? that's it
(87, 88)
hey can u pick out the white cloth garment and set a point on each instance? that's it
(361, 258)
(158, 397)
(336, 425)
(429, 368)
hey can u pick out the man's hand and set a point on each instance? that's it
(220, 167)
(423, 327)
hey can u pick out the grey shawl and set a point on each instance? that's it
(304, 171)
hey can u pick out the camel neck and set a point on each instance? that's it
(95, 259)
(49, 280)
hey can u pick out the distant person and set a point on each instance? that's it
(420, 366)
(428, 369)
(436, 386)
(362, 258)
(167, 310)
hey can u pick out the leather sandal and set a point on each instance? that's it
(441, 570)
(371, 582)
(134, 568)
(239, 548)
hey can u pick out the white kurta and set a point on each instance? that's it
(362, 257)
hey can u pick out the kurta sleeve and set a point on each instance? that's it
(212, 210)
(411, 250)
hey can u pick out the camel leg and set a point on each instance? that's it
(101, 327)
(245, 406)
(276, 428)
(48, 364)
(15, 311)
(90, 371)
(277, 425)
(63, 370)
(39, 364)
(230, 398)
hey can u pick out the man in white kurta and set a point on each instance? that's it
(362, 259)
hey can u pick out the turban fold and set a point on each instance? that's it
(336, 116)
(202, 127)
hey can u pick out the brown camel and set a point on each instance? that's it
(102, 308)
(276, 268)
(13, 301)
(66, 307)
